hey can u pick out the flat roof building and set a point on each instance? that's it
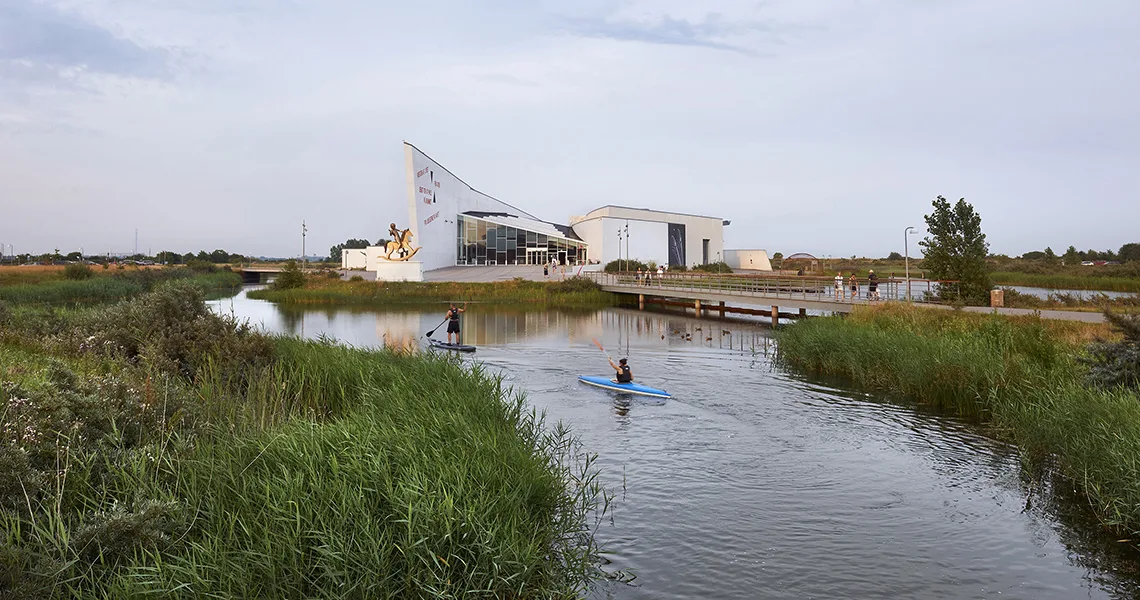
(455, 224)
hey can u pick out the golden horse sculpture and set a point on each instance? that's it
(401, 244)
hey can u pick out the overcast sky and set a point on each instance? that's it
(823, 126)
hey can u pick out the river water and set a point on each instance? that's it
(756, 483)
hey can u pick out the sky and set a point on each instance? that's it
(821, 126)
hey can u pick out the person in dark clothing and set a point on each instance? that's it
(624, 375)
(872, 286)
(453, 322)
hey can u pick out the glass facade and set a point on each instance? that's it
(482, 242)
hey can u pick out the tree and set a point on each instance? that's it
(1033, 255)
(1117, 364)
(74, 256)
(778, 256)
(956, 249)
(894, 256)
(219, 256)
(1072, 257)
(350, 244)
(1050, 256)
(1129, 252)
(291, 277)
(203, 256)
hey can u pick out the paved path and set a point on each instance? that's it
(494, 273)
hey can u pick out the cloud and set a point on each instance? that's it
(713, 31)
(42, 42)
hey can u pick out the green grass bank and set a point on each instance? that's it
(574, 292)
(1019, 375)
(149, 448)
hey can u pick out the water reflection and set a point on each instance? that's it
(752, 482)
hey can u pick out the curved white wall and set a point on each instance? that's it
(435, 197)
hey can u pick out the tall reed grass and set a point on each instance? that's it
(1067, 282)
(1017, 374)
(572, 292)
(109, 288)
(330, 472)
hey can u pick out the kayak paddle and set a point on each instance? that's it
(599, 345)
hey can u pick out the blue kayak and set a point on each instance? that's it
(628, 388)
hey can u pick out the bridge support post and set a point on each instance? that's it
(775, 316)
(803, 312)
(641, 302)
(721, 310)
(697, 308)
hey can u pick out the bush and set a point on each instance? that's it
(1117, 364)
(290, 278)
(717, 267)
(172, 330)
(78, 271)
(628, 265)
(576, 284)
(201, 266)
(356, 278)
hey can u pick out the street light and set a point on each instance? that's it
(619, 251)
(906, 257)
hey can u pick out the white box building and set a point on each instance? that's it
(665, 238)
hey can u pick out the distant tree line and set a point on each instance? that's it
(1072, 256)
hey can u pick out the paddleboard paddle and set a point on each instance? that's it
(429, 334)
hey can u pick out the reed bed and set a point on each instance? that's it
(570, 293)
(108, 288)
(1019, 375)
(1067, 282)
(323, 472)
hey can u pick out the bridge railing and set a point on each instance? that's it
(779, 286)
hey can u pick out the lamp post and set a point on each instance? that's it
(627, 244)
(304, 230)
(620, 267)
(906, 258)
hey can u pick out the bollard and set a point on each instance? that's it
(997, 298)
(775, 316)
(697, 308)
(722, 310)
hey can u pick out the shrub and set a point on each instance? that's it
(576, 284)
(356, 278)
(290, 278)
(78, 271)
(1117, 364)
(201, 266)
(716, 267)
(173, 331)
(629, 265)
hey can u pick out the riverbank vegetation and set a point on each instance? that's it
(1070, 301)
(88, 286)
(573, 292)
(152, 448)
(1023, 376)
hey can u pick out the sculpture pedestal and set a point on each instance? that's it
(398, 270)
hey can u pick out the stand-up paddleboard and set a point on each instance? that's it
(628, 388)
(446, 346)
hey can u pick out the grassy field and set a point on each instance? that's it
(1020, 375)
(152, 448)
(1068, 281)
(112, 286)
(573, 292)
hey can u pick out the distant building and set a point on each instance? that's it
(751, 260)
(455, 224)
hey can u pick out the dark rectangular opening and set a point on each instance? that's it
(705, 252)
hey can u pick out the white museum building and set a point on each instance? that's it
(454, 224)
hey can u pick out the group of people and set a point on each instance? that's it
(643, 277)
(624, 375)
(553, 267)
(872, 286)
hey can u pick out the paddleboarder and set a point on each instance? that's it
(624, 375)
(453, 322)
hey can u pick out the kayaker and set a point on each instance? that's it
(453, 322)
(624, 375)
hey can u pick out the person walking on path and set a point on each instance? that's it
(854, 287)
(638, 276)
(660, 275)
(872, 285)
(545, 271)
(453, 322)
(839, 286)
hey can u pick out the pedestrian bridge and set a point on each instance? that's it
(715, 292)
